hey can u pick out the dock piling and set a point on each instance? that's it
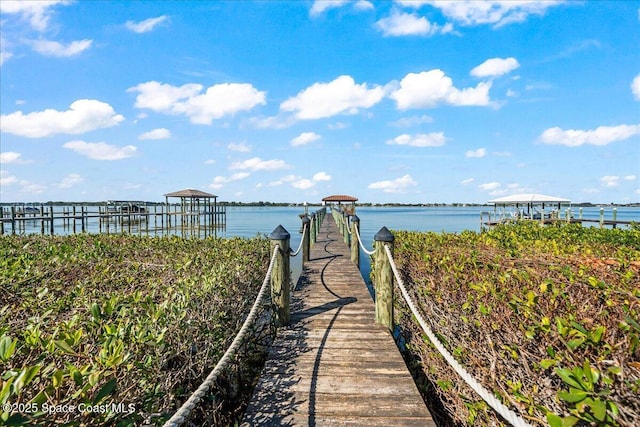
(383, 278)
(280, 277)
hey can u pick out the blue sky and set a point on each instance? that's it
(291, 101)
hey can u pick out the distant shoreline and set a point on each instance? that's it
(285, 204)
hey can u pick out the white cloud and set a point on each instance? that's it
(321, 176)
(101, 150)
(610, 181)
(398, 185)
(202, 108)
(497, 13)
(434, 139)
(602, 135)
(7, 179)
(209, 162)
(160, 133)
(288, 178)
(36, 12)
(70, 180)
(4, 56)
(256, 164)
(409, 24)
(412, 121)
(489, 186)
(239, 147)
(59, 50)
(341, 96)
(364, 5)
(304, 138)
(219, 181)
(480, 152)
(146, 25)
(467, 181)
(629, 178)
(319, 6)
(495, 67)
(303, 184)
(635, 87)
(430, 88)
(84, 115)
(7, 157)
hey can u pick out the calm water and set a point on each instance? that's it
(251, 221)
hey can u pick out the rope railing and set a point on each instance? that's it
(362, 246)
(294, 254)
(487, 396)
(181, 414)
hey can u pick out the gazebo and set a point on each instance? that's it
(339, 198)
(190, 201)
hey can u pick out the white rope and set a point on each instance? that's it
(179, 417)
(293, 254)
(362, 246)
(506, 413)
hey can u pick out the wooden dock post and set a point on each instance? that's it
(51, 225)
(13, 220)
(41, 219)
(355, 246)
(280, 277)
(312, 229)
(383, 278)
(306, 225)
(601, 217)
(345, 220)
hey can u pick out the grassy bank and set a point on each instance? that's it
(547, 318)
(119, 330)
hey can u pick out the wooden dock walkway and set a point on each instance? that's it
(333, 365)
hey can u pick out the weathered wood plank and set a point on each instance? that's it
(333, 365)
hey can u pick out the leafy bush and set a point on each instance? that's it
(125, 326)
(544, 317)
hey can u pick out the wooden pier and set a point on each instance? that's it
(157, 219)
(333, 365)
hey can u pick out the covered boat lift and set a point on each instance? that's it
(533, 202)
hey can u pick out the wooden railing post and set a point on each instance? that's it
(306, 222)
(383, 278)
(345, 227)
(355, 246)
(312, 229)
(280, 277)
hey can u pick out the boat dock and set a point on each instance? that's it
(333, 364)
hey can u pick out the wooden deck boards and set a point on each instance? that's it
(333, 365)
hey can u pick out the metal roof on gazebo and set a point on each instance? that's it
(190, 193)
(528, 198)
(340, 198)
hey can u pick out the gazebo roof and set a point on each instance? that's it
(191, 193)
(528, 198)
(340, 198)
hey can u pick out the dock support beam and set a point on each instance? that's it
(280, 277)
(383, 278)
